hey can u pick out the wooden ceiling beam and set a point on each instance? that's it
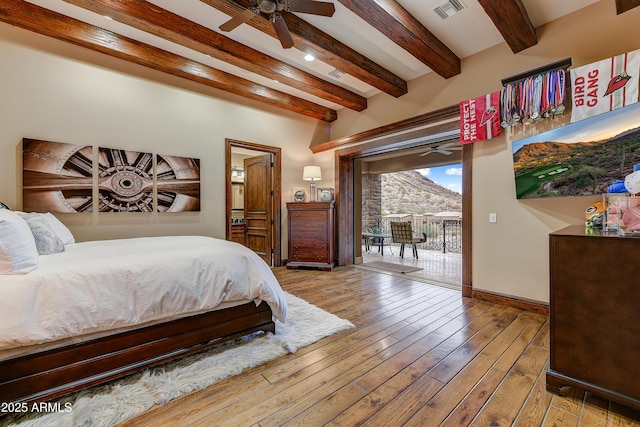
(624, 5)
(392, 20)
(325, 48)
(512, 20)
(152, 19)
(46, 22)
(447, 116)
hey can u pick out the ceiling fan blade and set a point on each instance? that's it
(238, 19)
(281, 30)
(449, 146)
(427, 152)
(313, 7)
(446, 152)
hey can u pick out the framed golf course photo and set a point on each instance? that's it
(580, 159)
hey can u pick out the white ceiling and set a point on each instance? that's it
(459, 33)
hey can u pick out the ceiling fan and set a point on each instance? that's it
(445, 149)
(272, 10)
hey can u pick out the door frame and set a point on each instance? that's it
(276, 152)
(345, 191)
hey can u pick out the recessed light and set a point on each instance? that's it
(309, 57)
(108, 17)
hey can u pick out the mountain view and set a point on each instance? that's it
(552, 169)
(410, 192)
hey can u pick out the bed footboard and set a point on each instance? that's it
(49, 374)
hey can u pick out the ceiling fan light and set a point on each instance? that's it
(267, 7)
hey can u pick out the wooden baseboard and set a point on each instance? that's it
(511, 301)
(467, 291)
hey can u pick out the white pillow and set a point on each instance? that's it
(59, 228)
(47, 241)
(18, 252)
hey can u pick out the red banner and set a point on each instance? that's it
(605, 85)
(480, 118)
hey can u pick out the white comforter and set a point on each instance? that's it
(106, 285)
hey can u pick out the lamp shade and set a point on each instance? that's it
(312, 173)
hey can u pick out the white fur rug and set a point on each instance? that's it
(122, 399)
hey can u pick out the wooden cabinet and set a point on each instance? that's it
(238, 233)
(594, 314)
(311, 235)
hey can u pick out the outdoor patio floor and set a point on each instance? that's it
(437, 267)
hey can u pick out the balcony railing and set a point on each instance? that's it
(443, 235)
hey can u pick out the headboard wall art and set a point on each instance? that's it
(61, 177)
(580, 159)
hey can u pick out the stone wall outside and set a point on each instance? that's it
(371, 201)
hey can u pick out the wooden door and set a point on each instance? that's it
(258, 205)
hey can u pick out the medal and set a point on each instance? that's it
(560, 92)
(536, 97)
(504, 111)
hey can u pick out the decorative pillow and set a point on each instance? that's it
(59, 228)
(47, 241)
(18, 252)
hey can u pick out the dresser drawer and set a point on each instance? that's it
(311, 235)
(309, 219)
(310, 247)
(308, 234)
(309, 256)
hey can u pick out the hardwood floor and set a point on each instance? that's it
(420, 355)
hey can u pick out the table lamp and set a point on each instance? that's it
(312, 173)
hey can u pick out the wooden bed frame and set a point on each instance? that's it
(50, 374)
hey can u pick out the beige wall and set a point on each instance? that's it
(55, 91)
(510, 256)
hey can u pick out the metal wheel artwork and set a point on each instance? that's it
(57, 177)
(178, 183)
(125, 181)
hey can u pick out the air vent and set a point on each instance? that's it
(336, 73)
(450, 8)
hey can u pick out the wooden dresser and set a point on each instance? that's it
(595, 314)
(311, 235)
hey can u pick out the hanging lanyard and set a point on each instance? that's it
(560, 92)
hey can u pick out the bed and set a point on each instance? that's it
(95, 311)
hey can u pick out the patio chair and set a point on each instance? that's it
(401, 233)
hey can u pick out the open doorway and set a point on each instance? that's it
(406, 138)
(253, 198)
(429, 199)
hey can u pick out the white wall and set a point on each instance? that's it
(510, 256)
(55, 91)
